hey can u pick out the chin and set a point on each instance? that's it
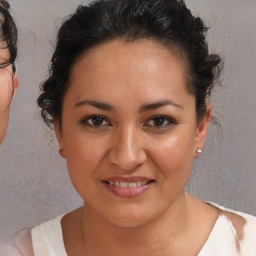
(129, 219)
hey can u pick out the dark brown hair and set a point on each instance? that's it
(168, 22)
(8, 30)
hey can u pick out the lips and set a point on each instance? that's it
(131, 187)
(123, 184)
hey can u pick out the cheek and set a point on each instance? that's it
(174, 155)
(7, 79)
(6, 91)
(83, 155)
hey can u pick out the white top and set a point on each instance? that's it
(234, 234)
(47, 238)
(227, 238)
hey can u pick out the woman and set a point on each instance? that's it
(8, 78)
(128, 96)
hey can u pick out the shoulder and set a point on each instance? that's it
(244, 228)
(244, 224)
(19, 245)
(47, 238)
(234, 232)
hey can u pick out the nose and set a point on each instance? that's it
(126, 150)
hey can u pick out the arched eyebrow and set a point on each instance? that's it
(159, 104)
(143, 108)
(96, 104)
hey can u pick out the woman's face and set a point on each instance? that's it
(8, 84)
(129, 131)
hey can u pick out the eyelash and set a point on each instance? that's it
(165, 121)
(87, 120)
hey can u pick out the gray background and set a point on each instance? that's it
(34, 184)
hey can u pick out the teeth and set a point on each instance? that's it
(123, 184)
(128, 184)
(138, 184)
(132, 185)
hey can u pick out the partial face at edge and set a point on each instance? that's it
(8, 85)
(127, 116)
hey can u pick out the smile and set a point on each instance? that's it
(130, 189)
(127, 184)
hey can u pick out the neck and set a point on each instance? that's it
(163, 234)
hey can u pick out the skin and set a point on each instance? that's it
(136, 82)
(8, 85)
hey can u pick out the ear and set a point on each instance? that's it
(58, 133)
(202, 130)
(15, 82)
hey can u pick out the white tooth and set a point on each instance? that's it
(117, 184)
(143, 183)
(111, 183)
(123, 184)
(132, 185)
(138, 184)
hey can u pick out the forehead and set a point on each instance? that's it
(118, 72)
(139, 54)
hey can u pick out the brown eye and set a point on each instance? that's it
(96, 121)
(160, 121)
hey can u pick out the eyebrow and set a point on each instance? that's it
(96, 104)
(108, 107)
(159, 104)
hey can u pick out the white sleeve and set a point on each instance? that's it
(19, 245)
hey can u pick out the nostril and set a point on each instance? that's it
(127, 152)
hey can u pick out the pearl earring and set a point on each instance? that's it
(199, 151)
